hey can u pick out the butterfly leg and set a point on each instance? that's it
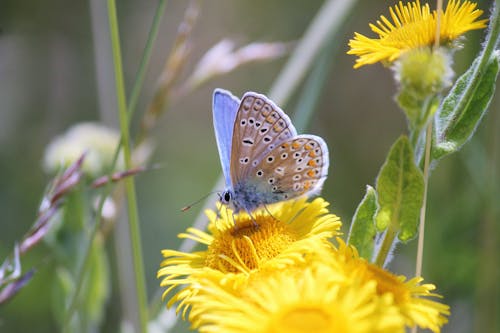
(268, 212)
(254, 221)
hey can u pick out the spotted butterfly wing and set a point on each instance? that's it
(296, 167)
(260, 126)
(269, 161)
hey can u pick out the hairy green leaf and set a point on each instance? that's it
(463, 108)
(400, 188)
(363, 231)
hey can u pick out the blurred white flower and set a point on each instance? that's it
(97, 141)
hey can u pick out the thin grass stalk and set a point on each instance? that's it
(137, 87)
(427, 154)
(133, 218)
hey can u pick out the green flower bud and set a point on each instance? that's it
(422, 74)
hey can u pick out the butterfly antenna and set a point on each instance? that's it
(188, 207)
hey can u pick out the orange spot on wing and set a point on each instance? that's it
(265, 111)
(311, 173)
(312, 163)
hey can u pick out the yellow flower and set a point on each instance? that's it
(411, 297)
(414, 26)
(284, 234)
(296, 300)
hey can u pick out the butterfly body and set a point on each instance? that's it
(246, 196)
(263, 159)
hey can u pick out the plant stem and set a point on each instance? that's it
(428, 145)
(421, 231)
(107, 190)
(133, 218)
(387, 243)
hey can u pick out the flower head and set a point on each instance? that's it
(411, 298)
(285, 233)
(297, 300)
(414, 26)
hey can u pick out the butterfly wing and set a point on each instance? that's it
(224, 108)
(296, 167)
(260, 126)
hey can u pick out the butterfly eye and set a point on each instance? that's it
(226, 196)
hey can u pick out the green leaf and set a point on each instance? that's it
(465, 105)
(363, 230)
(400, 188)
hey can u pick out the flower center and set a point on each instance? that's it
(249, 244)
(307, 319)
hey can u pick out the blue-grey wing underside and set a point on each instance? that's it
(225, 109)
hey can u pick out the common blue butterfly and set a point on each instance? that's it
(263, 159)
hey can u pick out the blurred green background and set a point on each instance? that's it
(53, 75)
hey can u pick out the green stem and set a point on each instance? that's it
(136, 89)
(421, 228)
(385, 248)
(133, 218)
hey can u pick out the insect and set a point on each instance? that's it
(263, 159)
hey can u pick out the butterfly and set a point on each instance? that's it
(263, 159)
